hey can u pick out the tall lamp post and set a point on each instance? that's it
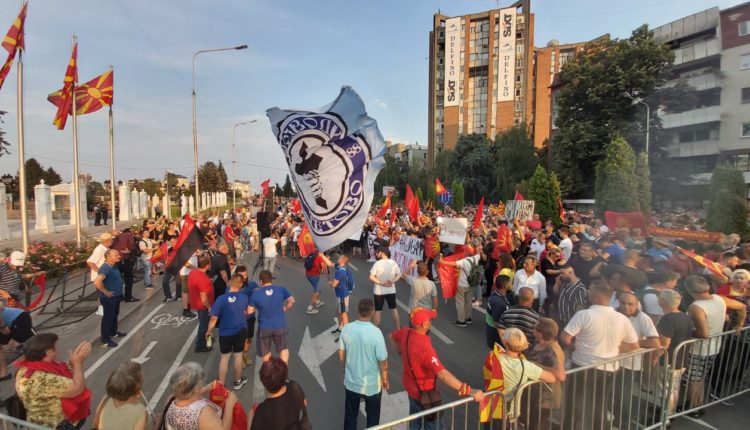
(195, 125)
(648, 118)
(234, 162)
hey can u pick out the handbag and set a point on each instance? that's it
(428, 399)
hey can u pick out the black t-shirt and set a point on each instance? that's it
(219, 263)
(678, 327)
(546, 266)
(283, 412)
(583, 268)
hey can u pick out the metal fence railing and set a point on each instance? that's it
(10, 423)
(641, 390)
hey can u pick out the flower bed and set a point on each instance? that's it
(49, 256)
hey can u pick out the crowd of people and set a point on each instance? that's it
(554, 298)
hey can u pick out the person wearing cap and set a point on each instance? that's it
(96, 259)
(109, 283)
(363, 353)
(10, 275)
(15, 325)
(422, 367)
(384, 275)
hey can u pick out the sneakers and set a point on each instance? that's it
(167, 299)
(239, 383)
(469, 321)
(203, 349)
(311, 310)
(460, 323)
(187, 314)
(109, 344)
(338, 330)
(100, 311)
(149, 287)
(119, 334)
(319, 303)
(132, 299)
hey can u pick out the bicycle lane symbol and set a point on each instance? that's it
(167, 320)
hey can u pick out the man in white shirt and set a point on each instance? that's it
(529, 277)
(566, 245)
(96, 259)
(601, 334)
(269, 252)
(184, 272)
(384, 275)
(146, 246)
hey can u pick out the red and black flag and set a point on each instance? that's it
(189, 241)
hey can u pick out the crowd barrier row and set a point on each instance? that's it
(640, 390)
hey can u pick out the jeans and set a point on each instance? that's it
(351, 409)
(269, 263)
(463, 303)
(126, 269)
(165, 280)
(146, 271)
(200, 340)
(111, 307)
(422, 423)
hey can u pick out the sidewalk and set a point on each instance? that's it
(65, 233)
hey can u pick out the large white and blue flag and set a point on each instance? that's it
(334, 155)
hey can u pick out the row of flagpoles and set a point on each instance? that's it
(87, 98)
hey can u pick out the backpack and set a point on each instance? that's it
(137, 249)
(310, 261)
(643, 292)
(474, 277)
(349, 277)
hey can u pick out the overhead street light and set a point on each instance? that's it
(195, 120)
(648, 118)
(234, 162)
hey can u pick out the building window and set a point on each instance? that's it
(746, 129)
(744, 61)
(746, 95)
(744, 28)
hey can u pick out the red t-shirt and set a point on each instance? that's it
(229, 234)
(199, 282)
(422, 358)
(317, 267)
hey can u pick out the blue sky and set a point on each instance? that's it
(300, 53)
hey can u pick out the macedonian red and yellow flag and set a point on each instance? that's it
(491, 408)
(13, 41)
(66, 94)
(91, 96)
(305, 242)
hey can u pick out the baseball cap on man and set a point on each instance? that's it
(17, 258)
(420, 315)
(104, 237)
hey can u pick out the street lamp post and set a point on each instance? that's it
(234, 162)
(648, 118)
(195, 114)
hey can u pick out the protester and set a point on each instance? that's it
(571, 294)
(423, 292)
(363, 352)
(220, 269)
(285, 406)
(201, 294)
(185, 270)
(122, 407)
(147, 247)
(342, 288)
(466, 267)
(384, 274)
(110, 285)
(674, 327)
(189, 409)
(521, 316)
(497, 304)
(54, 393)
(658, 282)
(228, 312)
(317, 262)
(271, 302)
(10, 276)
(125, 244)
(547, 354)
(529, 277)
(248, 288)
(16, 326)
(270, 252)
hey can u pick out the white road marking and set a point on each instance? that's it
(392, 407)
(700, 422)
(437, 332)
(314, 351)
(144, 355)
(353, 267)
(479, 308)
(109, 353)
(175, 364)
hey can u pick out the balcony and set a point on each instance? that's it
(691, 117)
(696, 52)
(702, 82)
(694, 149)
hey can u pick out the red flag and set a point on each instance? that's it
(305, 242)
(386, 205)
(478, 216)
(265, 184)
(518, 196)
(160, 254)
(431, 247)
(617, 220)
(91, 96)
(562, 210)
(439, 188)
(66, 94)
(296, 206)
(41, 282)
(393, 217)
(503, 243)
(380, 223)
(449, 275)
(189, 240)
(715, 268)
(13, 41)
(412, 204)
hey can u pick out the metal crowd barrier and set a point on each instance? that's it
(640, 390)
(10, 423)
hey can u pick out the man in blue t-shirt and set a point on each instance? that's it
(248, 288)
(110, 285)
(229, 311)
(340, 284)
(271, 301)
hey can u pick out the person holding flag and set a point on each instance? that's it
(315, 263)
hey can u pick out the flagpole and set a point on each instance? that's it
(76, 186)
(22, 158)
(112, 160)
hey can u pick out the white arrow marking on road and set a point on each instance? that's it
(143, 357)
(434, 330)
(314, 351)
(175, 364)
(392, 406)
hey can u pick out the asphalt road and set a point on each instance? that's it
(162, 340)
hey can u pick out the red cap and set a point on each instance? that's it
(420, 315)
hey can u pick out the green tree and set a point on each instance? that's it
(287, 188)
(643, 176)
(515, 160)
(151, 186)
(616, 184)
(458, 196)
(554, 185)
(418, 193)
(727, 209)
(472, 166)
(540, 190)
(592, 108)
(431, 194)
(278, 191)
(209, 178)
(223, 182)
(390, 175)
(51, 177)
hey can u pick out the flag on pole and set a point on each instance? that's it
(189, 240)
(91, 96)
(518, 196)
(66, 94)
(13, 41)
(504, 242)
(615, 220)
(492, 406)
(334, 155)
(161, 253)
(562, 210)
(712, 266)
(386, 205)
(305, 242)
(412, 204)
(265, 184)
(439, 188)
(478, 215)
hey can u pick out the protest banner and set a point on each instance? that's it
(371, 245)
(521, 209)
(705, 236)
(405, 250)
(453, 230)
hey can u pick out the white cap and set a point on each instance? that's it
(17, 258)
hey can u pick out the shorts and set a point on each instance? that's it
(380, 298)
(343, 304)
(233, 343)
(699, 366)
(251, 326)
(279, 337)
(314, 281)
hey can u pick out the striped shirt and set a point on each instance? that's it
(10, 281)
(572, 296)
(523, 318)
